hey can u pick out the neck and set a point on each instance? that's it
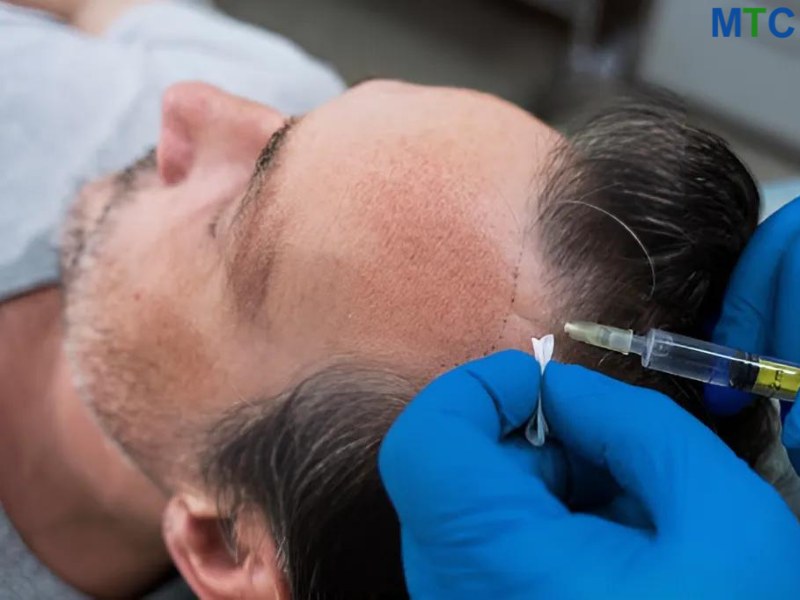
(85, 512)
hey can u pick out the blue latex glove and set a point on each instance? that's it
(761, 312)
(481, 514)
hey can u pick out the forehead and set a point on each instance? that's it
(402, 213)
(404, 149)
(403, 125)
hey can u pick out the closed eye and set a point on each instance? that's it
(266, 159)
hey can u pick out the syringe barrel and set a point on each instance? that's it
(694, 359)
(711, 363)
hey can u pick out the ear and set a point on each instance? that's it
(194, 536)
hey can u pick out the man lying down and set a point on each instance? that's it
(250, 305)
(247, 335)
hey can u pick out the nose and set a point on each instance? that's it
(203, 126)
(385, 86)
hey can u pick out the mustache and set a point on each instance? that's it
(79, 227)
(125, 181)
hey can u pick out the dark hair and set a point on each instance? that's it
(641, 223)
(306, 464)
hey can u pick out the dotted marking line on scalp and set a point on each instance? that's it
(514, 290)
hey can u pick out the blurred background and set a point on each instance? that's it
(558, 57)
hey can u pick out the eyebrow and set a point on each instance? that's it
(268, 157)
(269, 154)
(248, 271)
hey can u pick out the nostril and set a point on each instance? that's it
(184, 109)
(205, 125)
(174, 155)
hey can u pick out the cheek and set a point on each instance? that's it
(159, 241)
(137, 326)
(140, 308)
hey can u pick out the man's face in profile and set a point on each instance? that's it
(217, 313)
(387, 226)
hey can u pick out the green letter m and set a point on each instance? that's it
(734, 22)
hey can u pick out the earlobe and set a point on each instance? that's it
(200, 550)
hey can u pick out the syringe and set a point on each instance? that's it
(696, 359)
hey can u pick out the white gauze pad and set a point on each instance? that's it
(537, 429)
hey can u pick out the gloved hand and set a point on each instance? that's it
(761, 312)
(481, 515)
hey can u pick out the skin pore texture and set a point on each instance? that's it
(388, 227)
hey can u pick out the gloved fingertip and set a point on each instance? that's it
(749, 301)
(724, 402)
(740, 325)
(784, 342)
(511, 377)
(568, 378)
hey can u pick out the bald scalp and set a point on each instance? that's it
(680, 189)
(414, 259)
